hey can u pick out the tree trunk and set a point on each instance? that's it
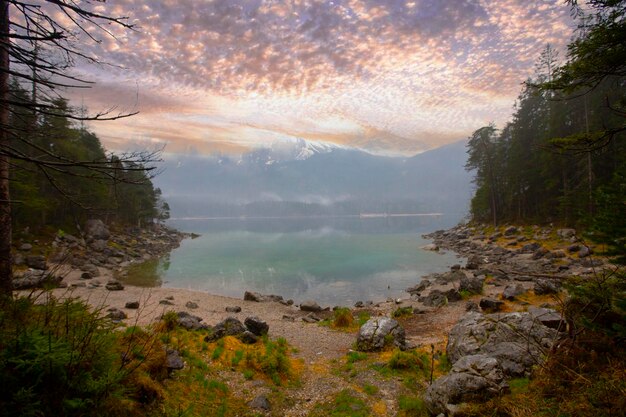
(6, 278)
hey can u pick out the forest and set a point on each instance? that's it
(562, 158)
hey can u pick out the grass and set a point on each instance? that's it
(344, 404)
(411, 406)
(402, 312)
(370, 389)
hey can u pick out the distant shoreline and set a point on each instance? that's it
(339, 216)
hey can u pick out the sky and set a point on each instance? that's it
(392, 77)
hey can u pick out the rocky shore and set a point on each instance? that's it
(494, 318)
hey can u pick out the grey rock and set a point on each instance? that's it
(584, 252)
(256, 325)
(540, 253)
(78, 285)
(190, 322)
(18, 259)
(512, 291)
(566, 233)
(530, 247)
(114, 285)
(510, 231)
(573, 248)
(516, 340)
(453, 295)
(166, 303)
(191, 305)
(473, 285)
(36, 262)
(261, 402)
(227, 327)
(86, 275)
(434, 299)
(96, 229)
(288, 318)
(473, 378)
(35, 279)
(260, 298)
(233, 309)
(359, 304)
(430, 247)
(116, 314)
(25, 247)
(248, 337)
(417, 289)
(91, 269)
(548, 317)
(379, 331)
(310, 306)
(448, 277)
(173, 360)
(472, 306)
(99, 245)
(473, 262)
(455, 267)
(132, 305)
(547, 286)
(490, 305)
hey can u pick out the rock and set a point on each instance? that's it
(92, 269)
(359, 304)
(473, 378)
(288, 318)
(548, 317)
(540, 253)
(96, 229)
(566, 233)
(227, 327)
(473, 285)
(261, 402)
(170, 297)
(99, 245)
(78, 285)
(455, 267)
(523, 278)
(490, 305)
(25, 247)
(36, 279)
(514, 339)
(473, 262)
(448, 277)
(530, 247)
(573, 248)
(260, 298)
(256, 325)
(18, 259)
(547, 286)
(417, 289)
(557, 254)
(589, 263)
(190, 322)
(248, 337)
(116, 314)
(453, 295)
(378, 332)
(431, 247)
(132, 305)
(435, 299)
(191, 305)
(472, 306)
(584, 252)
(114, 285)
(310, 306)
(166, 303)
(512, 291)
(286, 302)
(510, 231)
(86, 275)
(173, 360)
(36, 262)
(235, 309)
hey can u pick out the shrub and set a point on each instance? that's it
(402, 312)
(342, 317)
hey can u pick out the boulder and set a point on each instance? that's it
(516, 340)
(233, 309)
(510, 231)
(116, 314)
(99, 245)
(566, 233)
(548, 317)
(547, 286)
(540, 253)
(417, 289)
(190, 322)
(256, 325)
(512, 291)
(86, 275)
(434, 299)
(96, 229)
(114, 285)
(490, 305)
(35, 278)
(173, 360)
(431, 247)
(378, 332)
(473, 378)
(530, 247)
(584, 252)
(453, 295)
(448, 277)
(36, 262)
(191, 305)
(260, 298)
(473, 262)
(132, 305)
(310, 306)
(261, 402)
(248, 337)
(473, 285)
(227, 327)
(25, 247)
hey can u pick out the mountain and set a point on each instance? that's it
(306, 178)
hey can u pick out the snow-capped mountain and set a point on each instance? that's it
(287, 150)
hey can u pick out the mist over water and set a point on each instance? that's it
(335, 261)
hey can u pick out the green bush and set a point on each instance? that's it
(402, 312)
(61, 358)
(342, 317)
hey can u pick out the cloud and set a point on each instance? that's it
(418, 72)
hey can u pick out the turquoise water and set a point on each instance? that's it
(332, 261)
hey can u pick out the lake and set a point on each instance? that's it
(334, 261)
